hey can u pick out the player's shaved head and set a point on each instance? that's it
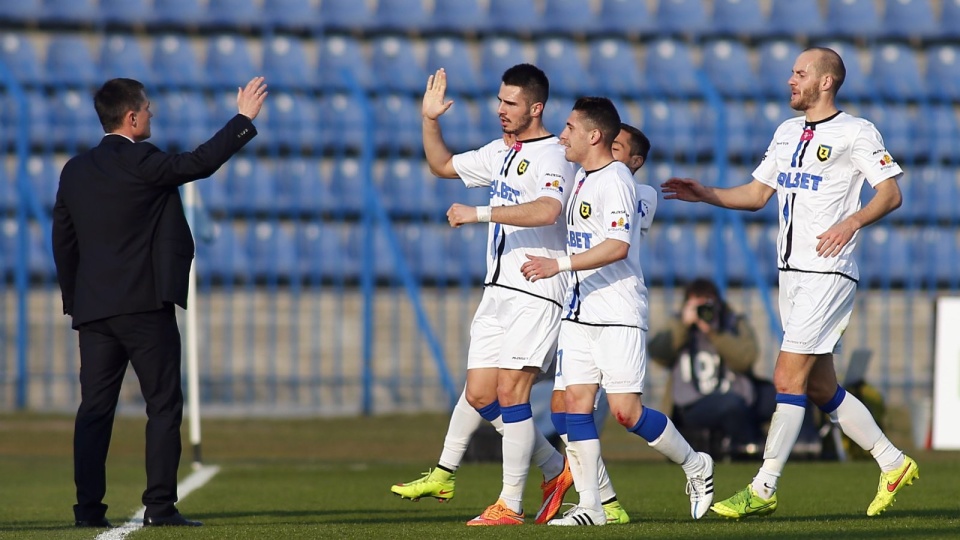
(828, 62)
(533, 81)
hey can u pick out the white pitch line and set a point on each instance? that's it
(193, 482)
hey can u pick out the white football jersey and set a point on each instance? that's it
(520, 174)
(818, 170)
(608, 203)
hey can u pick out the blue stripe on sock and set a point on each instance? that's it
(490, 412)
(799, 400)
(516, 413)
(559, 422)
(835, 401)
(581, 427)
(651, 424)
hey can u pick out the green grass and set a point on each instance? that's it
(329, 479)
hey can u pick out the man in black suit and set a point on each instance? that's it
(123, 251)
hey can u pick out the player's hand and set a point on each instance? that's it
(250, 98)
(433, 104)
(460, 214)
(537, 268)
(684, 189)
(835, 238)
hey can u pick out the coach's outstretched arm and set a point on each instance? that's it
(751, 196)
(439, 156)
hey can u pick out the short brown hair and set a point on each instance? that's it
(115, 98)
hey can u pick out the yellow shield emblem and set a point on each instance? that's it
(823, 152)
(585, 210)
(522, 167)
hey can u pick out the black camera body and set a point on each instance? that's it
(707, 311)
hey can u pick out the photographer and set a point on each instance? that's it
(710, 351)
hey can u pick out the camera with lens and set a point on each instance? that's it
(707, 311)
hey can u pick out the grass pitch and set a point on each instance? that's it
(330, 478)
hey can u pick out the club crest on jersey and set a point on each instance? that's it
(585, 210)
(522, 167)
(823, 152)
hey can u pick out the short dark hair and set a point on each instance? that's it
(830, 63)
(639, 143)
(533, 81)
(602, 114)
(702, 287)
(114, 99)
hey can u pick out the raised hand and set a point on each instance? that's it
(684, 189)
(433, 104)
(250, 98)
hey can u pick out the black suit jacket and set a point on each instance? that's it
(121, 242)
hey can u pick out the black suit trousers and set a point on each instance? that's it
(150, 341)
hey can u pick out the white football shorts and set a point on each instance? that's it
(815, 310)
(615, 357)
(513, 330)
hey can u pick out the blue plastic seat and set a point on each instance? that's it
(672, 128)
(124, 12)
(739, 17)
(853, 18)
(249, 186)
(74, 120)
(458, 16)
(737, 134)
(856, 85)
(121, 56)
(176, 13)
(285, 64)
(768, 117)
(18, 53)
(909, 18)
(292, 122)
(297, 15)
(327, 252)
(228, 63)
(627, 18)
(943, 72)
(937, 192)
(69, 62)
(39, 256)
(44, 175)
(498, 54)
(736, 257)
(342, 123)
(69, 11)
(941, 131)
(9, 196)
(555, 114)
(796, 19)
(229, 14)
(467, 249)
(300, 189)
(940, 252)
(670, 68)
(687, 17)
(341, 61)
(345, 16)
(408, 191)
(225, 258)
(683, 255)
(175, 63)
(273, 252)
(567, 17)
(615, 68)
(885, 255)
(180, 120)
(21, 11)
(727, 65)
(670, 211)
(346, 182)
(895, 73)
(460, 126)
(949, 19)
(560, 60)
(517, 17)
(898, 127)
(776, 66)
(401, 16)
(453, 55)
(396, 65)
(36, 115)
(398, 124)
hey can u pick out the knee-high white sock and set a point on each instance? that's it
(857, 423)
(784, 429)
(660, 433)
(575, 470)
(546, 457)
(607, 493)
(519, 435)
(464, 422)
(585, 446)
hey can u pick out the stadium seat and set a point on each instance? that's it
(898, 127)
(941, 131)
(327, 252)
(397, 66)
(453, 55)
(737, 134)
(300, 189)
(853, 19)
(121, 56)
(294, 15)
(670, 211)
(398, 124)
(9, 196)
(19, 55)
(345, 16)
(292, 122)
(940, 255)
(175, 62)
(468, 253)
(458, 16)
(44, 175)
(249, 186)
(71, 12)
(555, 115)
(69, 62)
(401, 16)
(230, 14)
(626, 18)
(498, 54)
(176, 13)
(228, 61)
(450, 191)
(342, 126)
(273, 252)
(683, 255)
(224, 259)
(943, 72)
(560, 59)
(906, 19)
(885, 255)
(518, 17)
(776, 67)
(460, 126)
(796, 19)
(736, 257)
(672, 129)
(123, 12)
(727, 65)
(766, 248)
(74, 121)
(21, 11)
(181, 120)
(938, 190)
(856, 85)
(36, 116)
(739, 18)
(895, 73)
(347, 182)
(682, 17)
(566, 17)
(769, 116)
(671, 69)
(615, 68)
(949, 19)
(39, 257)
(341, 64)
(285, 64)
(408, 190)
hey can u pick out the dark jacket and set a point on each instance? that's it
(121, 242)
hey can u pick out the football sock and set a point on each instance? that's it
(463, 423)
(546, 457)
(857, 423)
(519, 435)
(782, 435)
(607, 493)
(585, 443)
(660, 433)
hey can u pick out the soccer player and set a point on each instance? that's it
(816, 164)
(514, 332)
(603, 331)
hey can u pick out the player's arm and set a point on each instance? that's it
(887, 199)
(607, 252)
(750, 196)
(439, 157)
(538, 213)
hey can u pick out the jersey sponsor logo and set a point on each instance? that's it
(522, 166)
(806, 135)
(823, 152)
(585, 210)
(504, 191)
(555, 185)
(580, 240)
(886, 160)
(799, 180)
(620, 224)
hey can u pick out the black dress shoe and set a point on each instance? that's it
(101, 523)
(173, 520)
